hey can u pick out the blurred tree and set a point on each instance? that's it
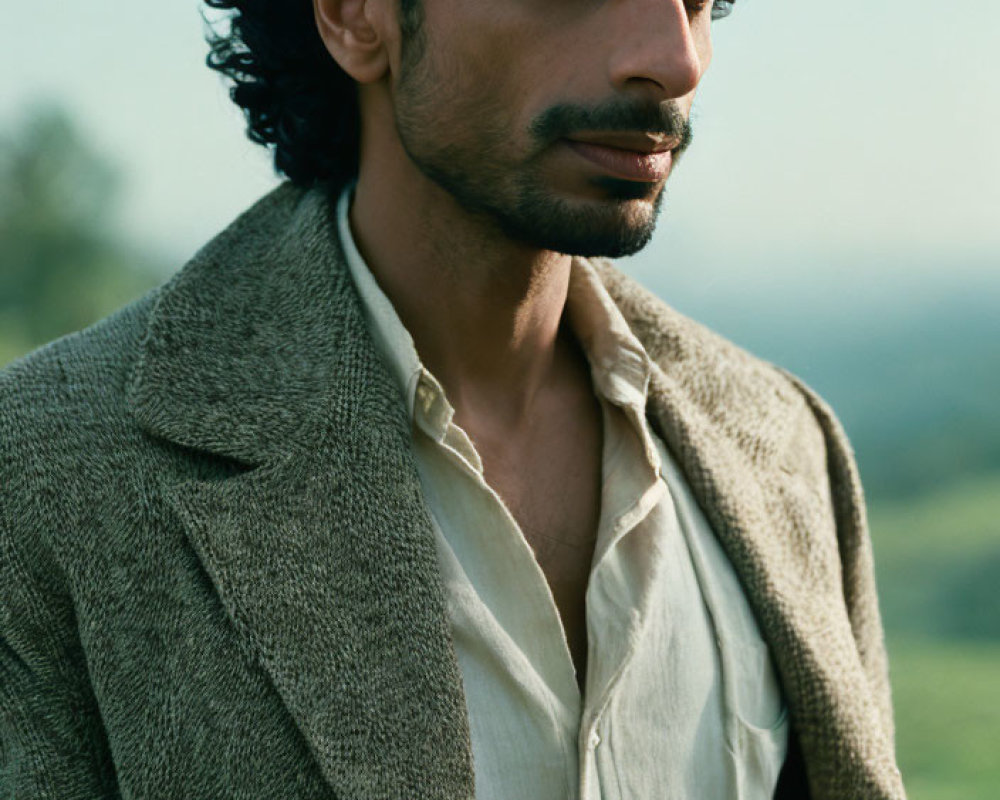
(61, 264)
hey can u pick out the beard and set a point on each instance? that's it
(461, 139)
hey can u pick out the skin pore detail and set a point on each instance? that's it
(398, 488)
(497, 141)
(469, 199)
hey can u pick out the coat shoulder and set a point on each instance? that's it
(64, 421)
(674, 340)
(767, 411)
(73, 381)
(77, 390)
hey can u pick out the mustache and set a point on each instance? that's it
(563, 120)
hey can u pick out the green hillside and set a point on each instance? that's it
(938, 565)
(911, 365)
(938, 561)
(947, 698)
(913, 371)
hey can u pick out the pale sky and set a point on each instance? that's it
(830, 136)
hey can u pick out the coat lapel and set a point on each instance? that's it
(739, 434)
(320, 548)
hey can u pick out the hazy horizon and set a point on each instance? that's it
(826, 149)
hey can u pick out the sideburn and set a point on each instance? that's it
(411, 26)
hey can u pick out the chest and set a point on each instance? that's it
(555, 499)
(551, 485)
(643, 644)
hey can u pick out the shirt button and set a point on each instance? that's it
(426, 397)
(595, 739)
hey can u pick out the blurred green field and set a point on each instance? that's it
(961, 518)
(938, 567)
(947, 698)
(938, 562)
(916, 393)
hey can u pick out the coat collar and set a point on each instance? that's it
(258, 351)
(248, 342)
(773, 473)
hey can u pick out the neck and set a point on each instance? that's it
(484, 311)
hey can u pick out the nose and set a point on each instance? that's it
(657, 47)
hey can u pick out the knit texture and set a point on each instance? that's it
(218, 576)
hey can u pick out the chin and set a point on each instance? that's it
(612, 245)
(610, 228)
(588, 234)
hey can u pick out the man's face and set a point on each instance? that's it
(558, 119)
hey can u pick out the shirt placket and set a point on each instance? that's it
(548, 654)
(632, 490)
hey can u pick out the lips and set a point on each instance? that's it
(631, 158)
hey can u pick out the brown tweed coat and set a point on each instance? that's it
(218, 577)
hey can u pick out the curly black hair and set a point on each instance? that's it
(296, 99)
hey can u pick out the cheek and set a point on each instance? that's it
(503, 59)
(450, 109)
(462, 99)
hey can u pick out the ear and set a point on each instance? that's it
(350, 30)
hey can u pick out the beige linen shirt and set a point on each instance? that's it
(681, 699)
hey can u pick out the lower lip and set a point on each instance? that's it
(628, 165)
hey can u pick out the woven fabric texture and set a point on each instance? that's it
(218, 576)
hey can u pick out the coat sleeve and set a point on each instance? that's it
(854, 543)
(52, 743)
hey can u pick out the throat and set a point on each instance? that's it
(549, 475)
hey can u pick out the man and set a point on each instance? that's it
(393, 492)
